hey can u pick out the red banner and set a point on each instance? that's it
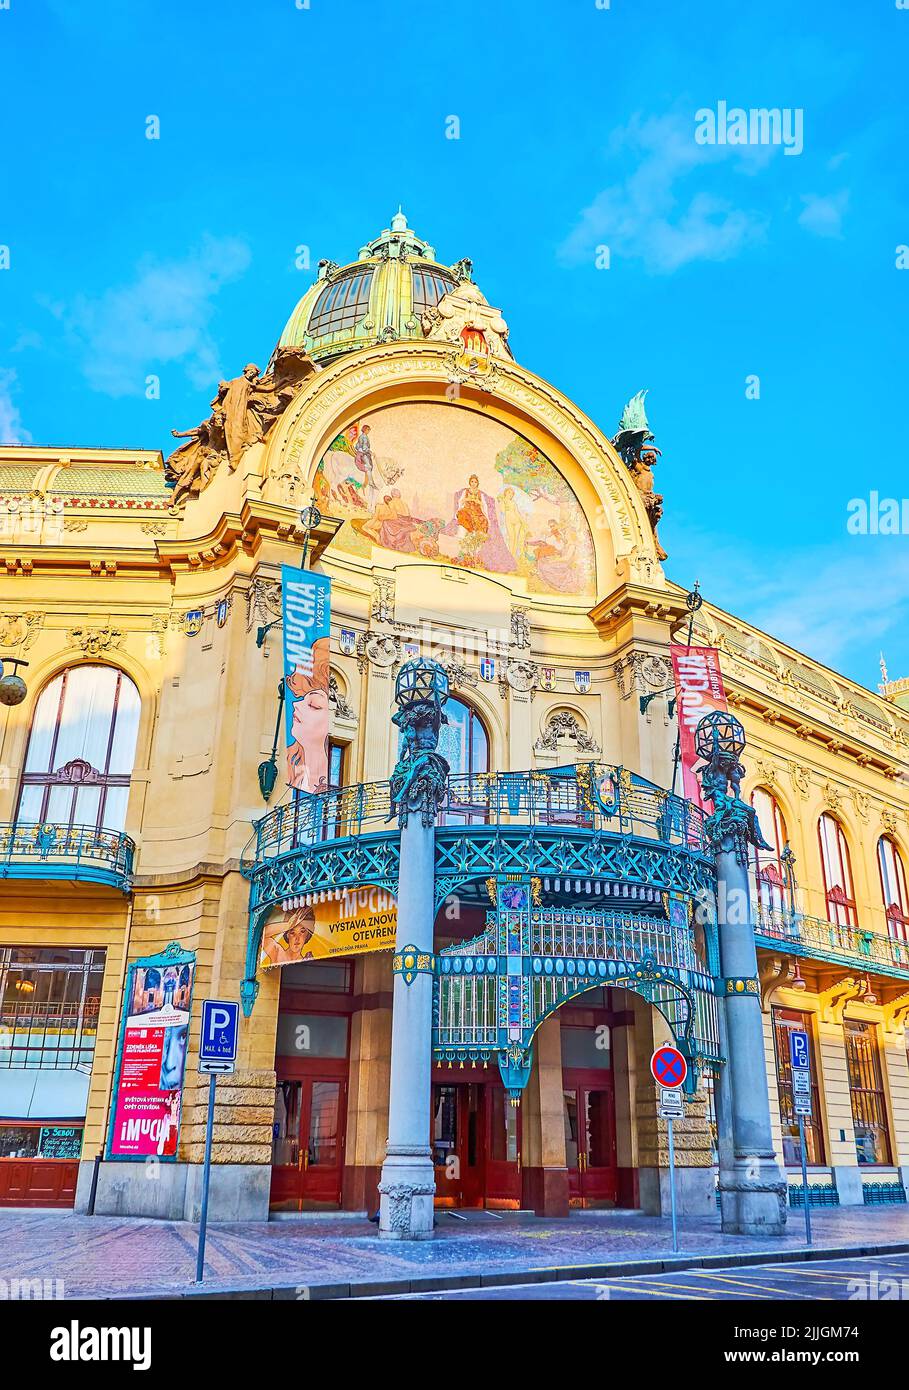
(699, 690)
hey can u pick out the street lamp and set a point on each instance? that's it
(310, 518)
(421, 679)
(13, 689)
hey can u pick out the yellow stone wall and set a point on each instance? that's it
(114, 585)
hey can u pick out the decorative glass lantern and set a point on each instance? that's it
(719, 734)
(12, 687)
(421, 679)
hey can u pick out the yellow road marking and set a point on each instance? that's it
(746, 1284)
(834, 1274)
(664, 1284)
(655, 1293)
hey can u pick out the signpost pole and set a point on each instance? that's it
(805, 1179)
(206, 1176)
(675, 1230)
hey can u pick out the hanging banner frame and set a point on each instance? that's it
(172, 958)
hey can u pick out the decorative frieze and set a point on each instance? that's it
(263, 602)
(800, 777)
(94, 641)
(20, 630)
(339, 704)
(564, 726)
(523, 677)
(642, 672)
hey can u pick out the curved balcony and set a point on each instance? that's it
(73, 853)
(816, 939)
(594, 832)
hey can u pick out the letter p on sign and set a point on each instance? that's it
(220, 1026)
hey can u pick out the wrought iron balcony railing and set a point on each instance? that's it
(813, 937)
(71, 852)
(589, 796)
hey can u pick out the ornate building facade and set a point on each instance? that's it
(465, 511)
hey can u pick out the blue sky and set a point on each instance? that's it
(283, 126)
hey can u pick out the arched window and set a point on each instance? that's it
(838, 889)
(465, 743)
(769, 869)
(893, 888)
(81, 749)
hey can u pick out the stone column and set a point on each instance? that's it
(407, 1186)
(752, 1187)
(544, 1175)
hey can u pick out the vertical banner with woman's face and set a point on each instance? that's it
(699, 691)
(306, 607)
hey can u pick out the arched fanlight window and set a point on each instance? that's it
(464, 741)
(838, 889)
(769, 869)
(81, 749)
(893, 888)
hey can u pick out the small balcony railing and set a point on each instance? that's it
(812, 936)
(70, 852)
(586, 797)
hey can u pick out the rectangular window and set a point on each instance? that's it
(318, 976)
(784, 1021)
(586, 1047)
(311, 1035)
(336, 765)
(866, 1090)
(49, 1004)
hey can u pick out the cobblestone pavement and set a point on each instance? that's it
(109, 1257)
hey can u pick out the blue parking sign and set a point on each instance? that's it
(220, 1027)
(799, 1053)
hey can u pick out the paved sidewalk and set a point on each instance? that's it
(329, 1257)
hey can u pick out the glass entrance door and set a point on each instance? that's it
(307, 1145)
(476, 1145)
(590, 1151)
(459, 1144)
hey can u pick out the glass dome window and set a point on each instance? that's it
(341, 305)
(428, 288)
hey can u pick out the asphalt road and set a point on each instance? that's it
(876, 1278)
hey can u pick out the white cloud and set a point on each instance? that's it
(651, 216)
(824, 601)
(11, 431)
(824, 215)
(160, 318)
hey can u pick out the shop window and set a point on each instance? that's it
(837, 868)
(49, 1004)
(893, 888)
(784, 1022)
(81, 749)
(866, 1090)
(769, 881)
(40, 1141)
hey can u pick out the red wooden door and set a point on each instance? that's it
(590, 1141)
(308, 1142)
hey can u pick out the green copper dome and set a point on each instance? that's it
(380, 297)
